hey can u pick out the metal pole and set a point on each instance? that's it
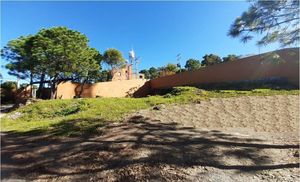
(178, 60)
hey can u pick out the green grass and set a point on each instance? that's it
(85, 116)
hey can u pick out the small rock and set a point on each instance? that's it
(159, 107)
(156, 108)
(197, 101)
(15, 115)
(296, 154)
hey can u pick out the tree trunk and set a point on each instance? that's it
(41, 86)
(81, 87)
(54, 84)
(31, 86)
(54, 90)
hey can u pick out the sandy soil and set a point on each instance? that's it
(267, 114)
(232, 139)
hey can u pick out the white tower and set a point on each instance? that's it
(131, 56)
(134, 61)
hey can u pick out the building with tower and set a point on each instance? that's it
(129, 71)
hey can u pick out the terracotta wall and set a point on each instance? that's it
(250, 68)
(122, 73)
(68, 90)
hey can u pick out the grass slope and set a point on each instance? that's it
(78, 117)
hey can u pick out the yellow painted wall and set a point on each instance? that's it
(122, 88)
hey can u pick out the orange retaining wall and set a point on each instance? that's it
(68, 90)
(250, 68)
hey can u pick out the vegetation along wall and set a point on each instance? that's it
(279, 64)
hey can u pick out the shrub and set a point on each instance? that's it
(8, 91)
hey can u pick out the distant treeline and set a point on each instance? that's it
(190, 65)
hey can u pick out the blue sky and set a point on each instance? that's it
(157, 31)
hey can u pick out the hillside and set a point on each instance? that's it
(202, 135)
(89, 114)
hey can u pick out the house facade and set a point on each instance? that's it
(125, 73)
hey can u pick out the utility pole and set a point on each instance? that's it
(178, 61)
(132, 60)
(137, 62)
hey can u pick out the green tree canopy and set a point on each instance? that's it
(146, 73)
(171, 68)
(210, 59)
(66, 53)
(153, 72)
(114, 58)
(277, 21)
(57, 53)
(8, 89)
(230, 57)
(9, 85)
(104, 76)
(89, 69)
(18, 53)
(192, 64)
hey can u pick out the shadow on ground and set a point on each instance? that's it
(133, 150)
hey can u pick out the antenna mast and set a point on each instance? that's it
(178, 61)
(136, 61)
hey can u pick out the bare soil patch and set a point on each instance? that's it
(232, 139)
(257, 113)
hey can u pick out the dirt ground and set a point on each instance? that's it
(256, 113)
(229, 139)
